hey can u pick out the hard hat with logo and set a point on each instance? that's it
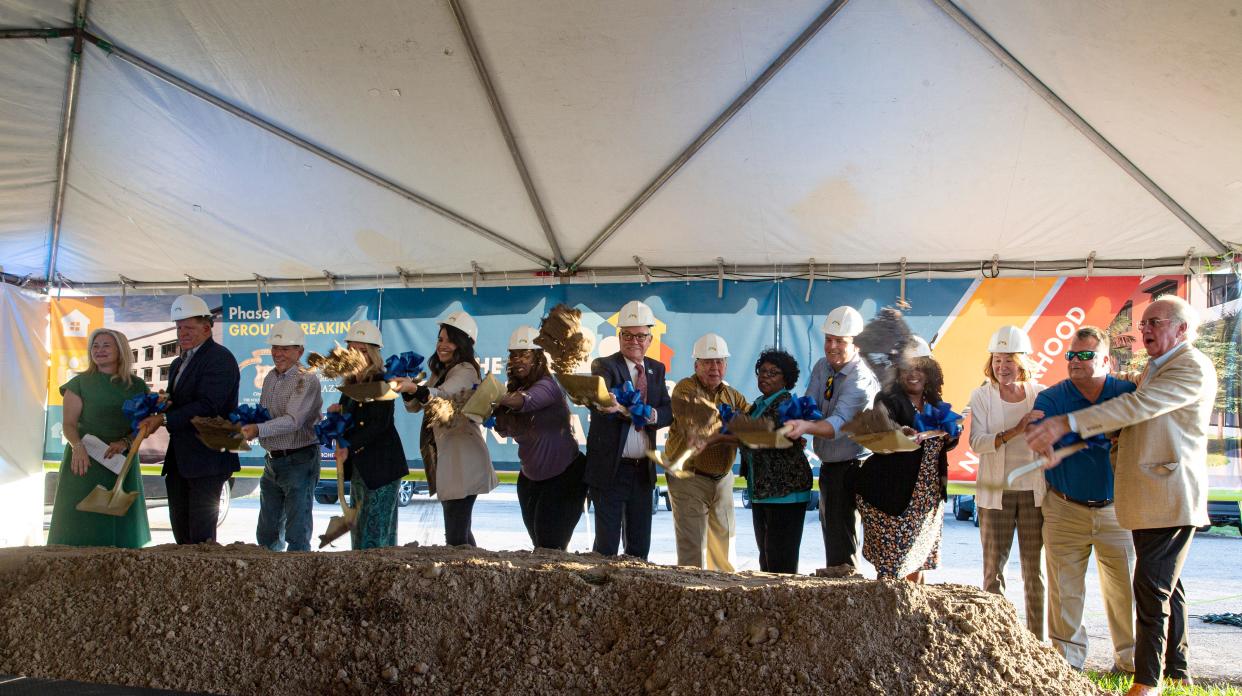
(365, 331)
(523, 338)
(919, 347)
(635, 313)
(286, 332)
(463, 322)
(709, 347)
(188, 306)
(1009, 339)
(843, 321)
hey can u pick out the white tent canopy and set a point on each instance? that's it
(891, 132)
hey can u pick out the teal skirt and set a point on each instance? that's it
(376, 524)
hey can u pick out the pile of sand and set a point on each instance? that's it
(242, 620)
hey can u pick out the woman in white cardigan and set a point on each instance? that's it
(999, 411)
(455, 456)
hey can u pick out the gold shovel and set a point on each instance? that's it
(340, 525)
(114, 502)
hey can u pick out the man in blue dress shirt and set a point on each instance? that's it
(1079, 515)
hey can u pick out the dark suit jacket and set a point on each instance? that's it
(208, 388)
(606, 439)
(374, 445)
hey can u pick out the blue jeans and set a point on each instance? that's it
(286, 495)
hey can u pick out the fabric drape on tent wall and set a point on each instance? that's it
(23, 382)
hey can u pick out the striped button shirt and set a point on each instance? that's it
(294, 400)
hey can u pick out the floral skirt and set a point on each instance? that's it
(898, 546)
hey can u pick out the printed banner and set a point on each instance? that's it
(957, 317)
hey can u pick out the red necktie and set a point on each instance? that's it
(640, 381)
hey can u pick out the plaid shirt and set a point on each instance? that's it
(294, 400)
(717, 459)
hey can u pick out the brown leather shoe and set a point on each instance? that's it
(1138, 689)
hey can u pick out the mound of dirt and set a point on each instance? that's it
(243, 620)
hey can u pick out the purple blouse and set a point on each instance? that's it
(546, 447)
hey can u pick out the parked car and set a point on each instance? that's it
(155, 492)
(964, 509)
(325, 491)
(1223, 513)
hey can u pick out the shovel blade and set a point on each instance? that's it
(103, 502)
(338, 527)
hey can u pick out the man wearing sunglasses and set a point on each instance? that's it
(1161, 479)
(1079, 515)
(619, 474)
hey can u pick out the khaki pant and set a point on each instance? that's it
(703, 521)
(1071, 531)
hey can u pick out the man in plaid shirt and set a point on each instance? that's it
(292, 395)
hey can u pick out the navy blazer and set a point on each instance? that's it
(606, 438)
(208, 388)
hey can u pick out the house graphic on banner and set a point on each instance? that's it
(75, 324)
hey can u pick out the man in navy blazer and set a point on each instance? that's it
(203, 381)
(619, 474)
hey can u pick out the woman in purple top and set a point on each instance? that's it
(534, 413)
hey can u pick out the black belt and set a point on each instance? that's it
(1084, 503)
(277, 454)
(714, 477)
(634, 462)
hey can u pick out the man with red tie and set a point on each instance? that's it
(620, 476)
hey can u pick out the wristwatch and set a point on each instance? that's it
(164, 419)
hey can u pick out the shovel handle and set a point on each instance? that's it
(340, 487)
(129, 460)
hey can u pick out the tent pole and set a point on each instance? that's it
(1008, 60)
(66, 140)
(706, 273)
(225, 105)
(35, 33)
(697, 144)
(502, 120)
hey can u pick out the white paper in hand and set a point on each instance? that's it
(96, 449)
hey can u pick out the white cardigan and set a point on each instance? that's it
(987, 414)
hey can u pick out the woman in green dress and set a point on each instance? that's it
(93, 406)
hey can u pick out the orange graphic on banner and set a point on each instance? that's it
(963, 349)
(1078, 302)
(73, 320)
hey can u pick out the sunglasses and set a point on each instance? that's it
(1083, 355)
(627, 336)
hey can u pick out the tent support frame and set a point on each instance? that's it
(66, 140)
(719, 122)
(740, 272)
(502, 120)
(298, 141)
(1008, 60)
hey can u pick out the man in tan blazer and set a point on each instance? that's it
(1161, 478)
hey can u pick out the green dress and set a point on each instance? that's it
(102, 417)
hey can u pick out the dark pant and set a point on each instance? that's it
(194, 506)
(624, 506)
(1160, 603)
(838, 518)
(551, 508)
(778, 532)
(457, 514)
(286, 496)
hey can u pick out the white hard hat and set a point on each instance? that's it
(635, 313)
(286, 332)
(188, 306)
(710, 346)
(843, 321)
(365, 331)
(921, 349)
(1009, 339)
(523, 338)
(464, 323)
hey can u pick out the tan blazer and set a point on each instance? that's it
(463, 464)
(1161, 477)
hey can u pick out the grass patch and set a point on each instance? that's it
(1118, 683)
